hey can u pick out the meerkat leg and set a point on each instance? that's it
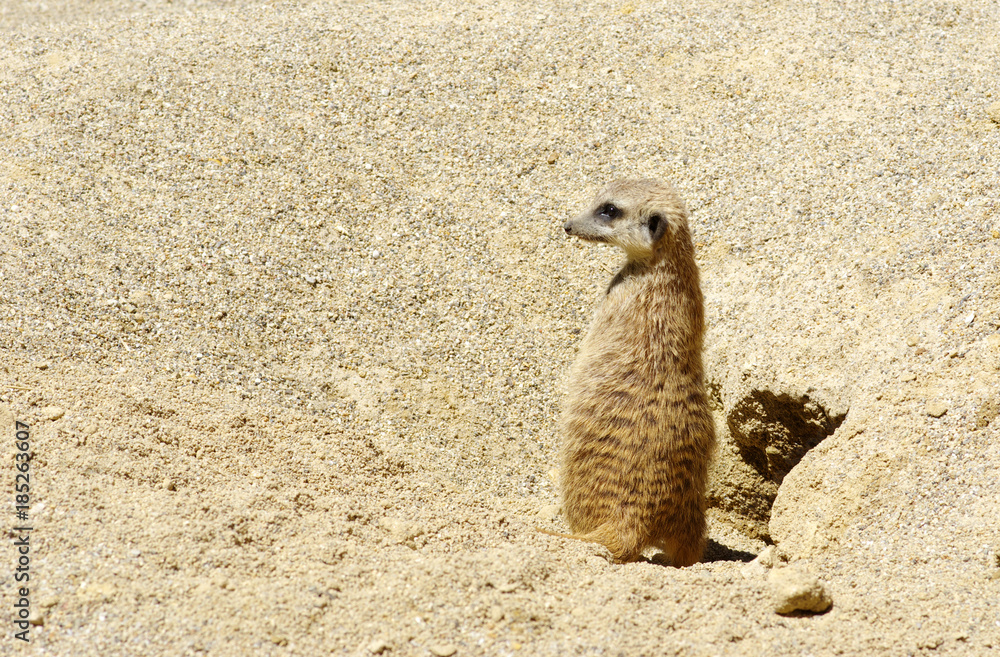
(627, 538)
(682, 553)
(685, 544)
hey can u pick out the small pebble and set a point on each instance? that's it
(549, 512)
(756, 569)
(43, 365)
(753, 570)
(378, 646)
(936, 409)
(443, 649)
(907, 376)
(52, 413)
(768, 557)
(401, 530)
(993, 111)
(911, 341)
(793, 590)
(36, 617)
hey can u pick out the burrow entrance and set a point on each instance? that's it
(761, 438)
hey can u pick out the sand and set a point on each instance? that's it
(288, 309)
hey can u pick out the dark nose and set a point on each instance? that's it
(568, 228)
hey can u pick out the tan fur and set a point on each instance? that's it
(638, 431)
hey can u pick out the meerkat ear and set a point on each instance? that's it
(657, 226)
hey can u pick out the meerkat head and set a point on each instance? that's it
(640, 216)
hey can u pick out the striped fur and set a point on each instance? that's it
(638, 431)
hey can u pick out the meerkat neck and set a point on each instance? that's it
(660, 265)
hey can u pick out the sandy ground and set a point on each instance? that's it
(287, 306)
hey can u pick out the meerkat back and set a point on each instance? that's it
(638, 433)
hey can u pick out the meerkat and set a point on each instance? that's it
(638, 433)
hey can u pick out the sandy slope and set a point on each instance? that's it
(287, 305)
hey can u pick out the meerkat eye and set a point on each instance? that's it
(609, 211)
